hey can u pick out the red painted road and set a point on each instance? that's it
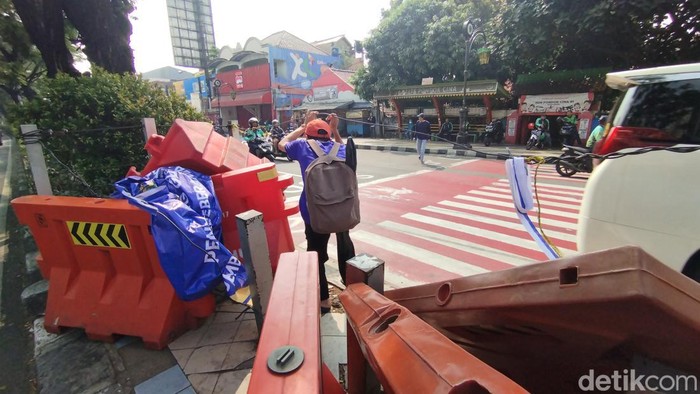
(440, 224)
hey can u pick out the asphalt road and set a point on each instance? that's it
(16, 340)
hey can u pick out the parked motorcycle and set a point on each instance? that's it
(568, 132)
(261, 148)
(494, 133)
(573, 160)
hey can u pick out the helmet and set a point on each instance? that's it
(603, 119)
(531, 126)
(275, 121)
(252, 120)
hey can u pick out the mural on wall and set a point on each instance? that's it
(193, 86)
(294, 74)
(576, 102)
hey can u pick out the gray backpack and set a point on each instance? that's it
(331, 192)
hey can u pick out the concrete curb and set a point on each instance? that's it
(438, 151)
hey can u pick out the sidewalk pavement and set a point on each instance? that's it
(218, 356)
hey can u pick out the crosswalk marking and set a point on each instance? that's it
(465, 233)
(507, 239)
(496, 222)
(505, 213)
(457, 243)
(444, 263)
(506, 193)
(509, 205)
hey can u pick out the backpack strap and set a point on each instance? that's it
(333, 154)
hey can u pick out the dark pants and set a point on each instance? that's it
(318, 243)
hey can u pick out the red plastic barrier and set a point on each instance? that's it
(410, 356)
(260, 188)
(292, 319)
(197, 146)
(103, 270)
(548, 325)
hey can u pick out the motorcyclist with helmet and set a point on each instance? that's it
(276, 133)
(253, 131)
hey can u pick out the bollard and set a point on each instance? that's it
(35, 154)
(257, 261)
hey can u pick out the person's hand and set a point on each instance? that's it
(311, 115)
(333, 120)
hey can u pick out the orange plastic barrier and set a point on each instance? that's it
(261, 188)
(103, 270)
(195, 145)
(549, 326)
(410, 356)
(292, 320)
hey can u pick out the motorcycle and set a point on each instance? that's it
(275, 149)
(261, 148)
(537, 138)
(568, 132)
(494, 133)
(573, 160)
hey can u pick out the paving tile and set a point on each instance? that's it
(334, 352)
(230, 306)
(333, 324)
(171, 380)
(204, 383)
(238, 353)
(219, 333)
(188, 390)
(182, 355)
(190, 339)
(233, 382)
(207, 359)
(248, 331)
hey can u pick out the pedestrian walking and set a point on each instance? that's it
(422, 136)
(297, 145)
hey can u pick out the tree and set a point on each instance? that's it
(103, 26)
(97, 126)
(424, 38)
(20, 62)
(546, 35)
(417, 39)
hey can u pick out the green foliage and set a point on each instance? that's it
(20, 61)
(97, 126)
(545, 35)
(422, 38)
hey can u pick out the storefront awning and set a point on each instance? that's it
(324, 105)
(244, 98)
(445, 90)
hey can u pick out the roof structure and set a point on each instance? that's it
(167, 73)
(473, 88)
(284, 39)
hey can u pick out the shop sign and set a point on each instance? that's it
(575, 102)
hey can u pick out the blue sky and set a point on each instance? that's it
(235, 21)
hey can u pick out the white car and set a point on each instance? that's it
(651, 200)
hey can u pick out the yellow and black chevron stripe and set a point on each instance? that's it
(99, 234)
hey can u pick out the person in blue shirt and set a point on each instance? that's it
(296, 146)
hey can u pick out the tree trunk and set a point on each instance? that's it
(43, 20)
(105, 30)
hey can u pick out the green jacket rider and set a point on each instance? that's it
(254, 131)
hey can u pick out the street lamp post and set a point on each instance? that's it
(472, 31)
